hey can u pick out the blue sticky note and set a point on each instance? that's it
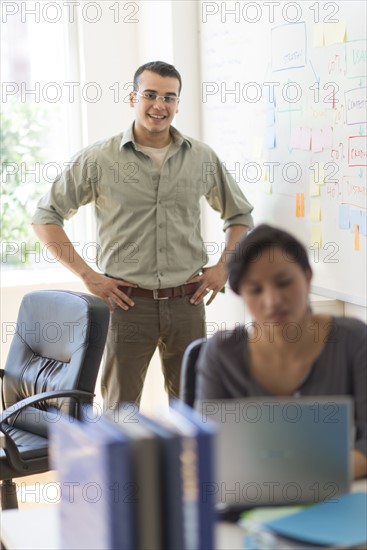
(270, 137)
(363, 226)
(355, 217)
(338, 522)
(270, 116)
(344, 220)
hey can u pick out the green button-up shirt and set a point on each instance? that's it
(148, 223)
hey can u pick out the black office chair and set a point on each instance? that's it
(52, 367)
(188, 371)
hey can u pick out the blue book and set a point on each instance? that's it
(206, 486)
(97, 492)
(171, 500)
(146, 471)
(339, 522)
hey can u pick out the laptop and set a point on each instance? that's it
(280, 451)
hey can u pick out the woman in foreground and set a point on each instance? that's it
(287, 350)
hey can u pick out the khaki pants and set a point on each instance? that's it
(133, 337)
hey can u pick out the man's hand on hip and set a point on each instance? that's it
(107, 288)
(213, 280)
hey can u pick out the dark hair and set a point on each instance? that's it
(158, 67)
(255, 242)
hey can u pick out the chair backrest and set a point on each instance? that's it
(58, 345)
(188, 371)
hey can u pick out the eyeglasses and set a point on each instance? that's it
(150, 96)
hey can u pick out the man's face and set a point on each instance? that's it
(154, 117)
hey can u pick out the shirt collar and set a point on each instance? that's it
(177, 137)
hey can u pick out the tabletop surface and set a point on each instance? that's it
(36, 528)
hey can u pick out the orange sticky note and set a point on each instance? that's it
(356, 237)
(300, 205)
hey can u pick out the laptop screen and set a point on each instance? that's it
(286, 451)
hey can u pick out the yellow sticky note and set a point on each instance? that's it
(314, 187)
(315, 210)
(321, 173)
(318, 35)
(356, 238)
(335, 33)
(316, 237)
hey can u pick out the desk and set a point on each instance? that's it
(36, 528)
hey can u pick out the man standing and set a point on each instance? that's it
(146, 185)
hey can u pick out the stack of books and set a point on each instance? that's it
(130, 482)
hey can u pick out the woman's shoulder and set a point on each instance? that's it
(350, 325)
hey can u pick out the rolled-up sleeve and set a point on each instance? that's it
(226, 197)
(74, 187)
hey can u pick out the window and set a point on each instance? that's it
(40, 126)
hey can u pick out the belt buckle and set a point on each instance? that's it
(156, 297)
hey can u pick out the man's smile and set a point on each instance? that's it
(157, 117)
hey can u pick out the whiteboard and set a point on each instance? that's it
(283, 91)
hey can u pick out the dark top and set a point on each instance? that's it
(340, 369)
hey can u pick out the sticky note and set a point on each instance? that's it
(316, 237)
(355, 217)
(270, 137)
(321, 173)
(344, 219)
(363, 226)
(356, 237)
(318, 35)
(327, 137)
(270, 116)
(300, 205)
(317, 173)
(296, 138)
(335, 33)
(306, 139)
(314, 187)
(316, 140)
(315, 210)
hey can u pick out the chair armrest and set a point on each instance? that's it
(9, 445)
(2, 372)
(20, 405)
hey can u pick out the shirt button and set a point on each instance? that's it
(161, 225)
(161, 274)
(161, 250)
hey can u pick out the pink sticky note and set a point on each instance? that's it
(296, 138)
(327, 137)
(316, 140)
(306, 139)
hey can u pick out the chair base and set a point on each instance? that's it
(9, 498)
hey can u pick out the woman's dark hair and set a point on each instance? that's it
(159, 67)
(262, 238)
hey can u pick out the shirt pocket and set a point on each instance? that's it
(187, 203)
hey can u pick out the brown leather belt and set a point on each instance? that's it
(161, 293)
